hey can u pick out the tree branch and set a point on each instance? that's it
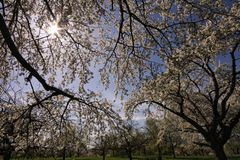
(233, 81)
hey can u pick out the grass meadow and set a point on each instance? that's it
(136, 158)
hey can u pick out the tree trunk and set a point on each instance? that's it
(113, 152)
(238, 152)
(129, 152)
(144, 151)
(172, 146)
(219, 152)
(7, 151)
(64, 152)
(173, 151)
(159, 152)
(7, 155)
(103, 155)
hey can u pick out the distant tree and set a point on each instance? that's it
(101, 131)
(131, 138)
(170, 133)
(114, 143)
(101, 146)
(101, 141)
(153, 130)
(166, 133)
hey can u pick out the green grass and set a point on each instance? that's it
(140, 158)
(77, 158)
(198, 158)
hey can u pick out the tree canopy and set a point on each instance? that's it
(182, 54)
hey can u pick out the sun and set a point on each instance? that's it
(53, 28)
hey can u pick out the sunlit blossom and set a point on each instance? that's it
(53, 28)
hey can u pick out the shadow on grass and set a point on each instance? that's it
(135, 158)
(185, 158)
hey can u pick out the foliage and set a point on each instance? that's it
(183, 55)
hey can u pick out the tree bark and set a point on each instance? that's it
(64, 152)
(173, 151)
(144, 151)
(103, 155)
(7, 152)
(159, 152)
(172, 147)
(219, 152)
(129, 152)
(113, 152)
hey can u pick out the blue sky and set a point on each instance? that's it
(95, 84)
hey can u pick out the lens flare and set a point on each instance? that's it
(53, 29)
